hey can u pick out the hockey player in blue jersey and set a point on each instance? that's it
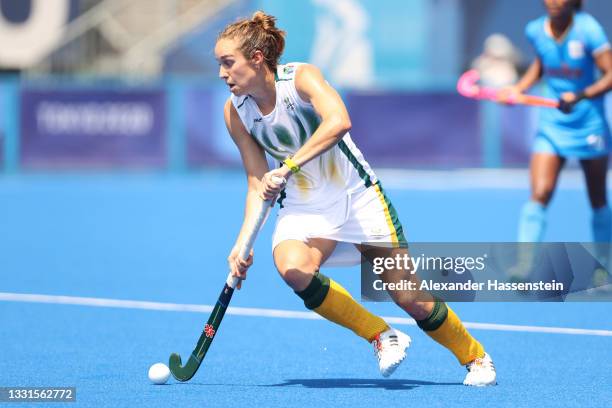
(570, 47)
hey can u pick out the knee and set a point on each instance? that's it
(543, 193)
(411, 303)
(296, 270)
(406, 299)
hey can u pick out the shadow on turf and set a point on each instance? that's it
(358, 383)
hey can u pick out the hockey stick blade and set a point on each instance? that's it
(185, 373)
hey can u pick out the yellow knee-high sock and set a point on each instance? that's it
(444, 326)
(330, 300)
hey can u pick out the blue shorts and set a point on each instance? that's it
(589, 147)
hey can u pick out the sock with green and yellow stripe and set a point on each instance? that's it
(329, 299)
(444, 326)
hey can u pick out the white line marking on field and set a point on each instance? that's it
(470, 179)
(258, 312)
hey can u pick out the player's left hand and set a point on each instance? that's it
(239, 267)
(269, 182)
(567, 101)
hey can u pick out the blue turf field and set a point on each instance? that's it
(165, 239)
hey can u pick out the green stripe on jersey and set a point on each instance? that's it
(401, 239)
(358, 166)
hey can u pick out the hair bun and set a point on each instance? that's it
(258, 33)
(266, 21)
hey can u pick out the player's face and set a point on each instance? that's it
(234, 68)
(559, 8)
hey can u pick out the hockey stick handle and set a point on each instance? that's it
(468, 87)
(247, 245)
(533, 100)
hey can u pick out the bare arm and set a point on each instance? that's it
(253, 160)
(604, 83)
(335, 121)
(599, 87)
(530, 77)
(255, 166)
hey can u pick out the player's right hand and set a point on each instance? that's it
(270, 185)
(237, 266)
(508, 95)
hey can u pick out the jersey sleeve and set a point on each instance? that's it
(597, 41)
(531, 32)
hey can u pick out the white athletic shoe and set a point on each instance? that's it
(481, 372)
(390, 350)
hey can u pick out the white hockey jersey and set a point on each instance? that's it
(322, 181)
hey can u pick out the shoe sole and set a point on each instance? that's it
(481, 385)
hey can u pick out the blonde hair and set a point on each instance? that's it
(257, 33)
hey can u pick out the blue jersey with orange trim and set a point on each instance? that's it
(569, 66)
